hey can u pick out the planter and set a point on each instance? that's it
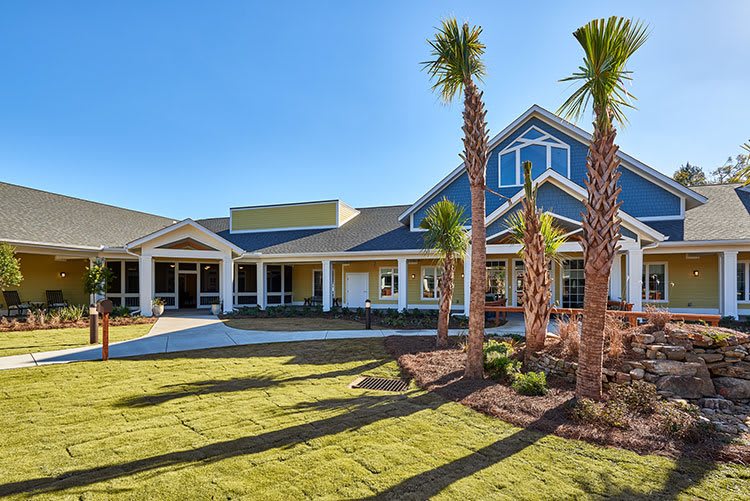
(157, 310)
(215, 309)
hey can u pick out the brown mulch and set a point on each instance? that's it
(22, 325)
(441, 371)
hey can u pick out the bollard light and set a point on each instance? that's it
(368, 317)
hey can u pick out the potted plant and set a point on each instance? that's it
(216, 306)
(157, 306)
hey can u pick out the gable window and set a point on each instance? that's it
(541, 149)
(388, 283)
(430, 282)
(743, 268)
(654, 282)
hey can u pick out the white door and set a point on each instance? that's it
(357, 289)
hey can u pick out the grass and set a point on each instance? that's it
(279, 421)
(20, 342)
(295, 324)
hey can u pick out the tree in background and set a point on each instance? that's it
(734, 170)
(10, 267)
(447, 237)
(457, 62)
(690, 175)
(607, 46)
(540, 241)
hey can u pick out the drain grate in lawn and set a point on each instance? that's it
(380, 384)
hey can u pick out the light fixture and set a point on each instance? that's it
(462, 275)
(63, 274)
(242, 267)
(171, 265)
(696, 273)
(413, 276)
(207, 267)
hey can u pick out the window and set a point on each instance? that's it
(131, 277)
(496, 280)
(388, 283)
(518, 273)
(430, 282)
(573, 283)
(654, 282)
(541, 149)
(742, 281)
(247, 284)
(115, 285)
(209, 277)
(279, 284)
(164, 274)
(317, 283)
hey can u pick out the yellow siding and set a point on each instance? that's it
(346, 213)
(302, 281)
(686, 290)
(41, 273)
(289, 216)
(372, 268)
(415, 284)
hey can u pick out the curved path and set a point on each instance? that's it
(184, 332)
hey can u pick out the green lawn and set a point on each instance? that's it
(279, 421)
(19, 342)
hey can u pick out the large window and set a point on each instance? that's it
(131, 277)
(496, 280)
(541, 149)
(279, 284)
(209, 278)
(247, 284)
(388, 283)
(122, 290)
(743, 268)
(164, 275)
(573, 283)
(654, 282)
(115, 284)
(430, 282)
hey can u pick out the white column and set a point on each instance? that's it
(403, 284)
(145, 284)
(635, 272)
(227, 283)
(729, 284)
(327, 285)
(467, 281)
(615, 279)
(260, 282)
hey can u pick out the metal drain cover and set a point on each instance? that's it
(380, 384)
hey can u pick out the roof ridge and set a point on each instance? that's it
(87, 201)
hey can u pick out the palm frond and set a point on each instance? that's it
(445, 233)
(457, 59)
(607, 44)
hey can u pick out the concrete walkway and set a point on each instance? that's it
(197, 331)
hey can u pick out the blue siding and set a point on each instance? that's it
(674, 229)
(640, 197)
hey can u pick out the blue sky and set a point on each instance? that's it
(156, 105)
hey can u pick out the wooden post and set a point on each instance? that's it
(93, 325)
(105, 337)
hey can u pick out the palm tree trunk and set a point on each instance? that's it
(601, 230)
(475, 159)
(536, 287)
(446, 300)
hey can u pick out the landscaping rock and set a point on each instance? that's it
(641, 338)
(711, 357)
(671, 367)
(732, 388)
(739, 370)
(637, 374)
(659, 337)
(717, 404)
(682, 386)
(674, 352)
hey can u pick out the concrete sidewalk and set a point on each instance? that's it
(184, 332)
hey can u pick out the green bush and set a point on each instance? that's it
(497, 360)
(607, 414)
(533, 384)
(679, 420)
(638, 398)
(120, 311)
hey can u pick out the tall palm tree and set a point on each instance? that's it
(445, 235)
(456, 63)
(540, 241)
(607, 45)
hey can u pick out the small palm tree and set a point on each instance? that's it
(456, 63)
(607, 46)
(540, 241)
(447, 237)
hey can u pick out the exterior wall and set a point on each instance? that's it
(302, 281)
(415, 299)
(372, 268)
(684, 289)
(42, 272)
(289, 216)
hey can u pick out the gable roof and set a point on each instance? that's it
(692, 197)
(28, 215)
(375, 229)
(176, 226)
(726, 215)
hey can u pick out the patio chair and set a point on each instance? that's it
(13, 302)
(55, 299)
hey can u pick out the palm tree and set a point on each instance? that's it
(607, 46)
(540, 241)
(445, 235)
(457, 62)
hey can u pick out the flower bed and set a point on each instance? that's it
(70, 316)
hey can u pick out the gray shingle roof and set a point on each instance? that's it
(375, 228)
(40, 216)
(724, 217)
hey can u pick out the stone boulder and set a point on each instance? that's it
(732, 388)
(684, 386)
(671, 367)
(739, 370)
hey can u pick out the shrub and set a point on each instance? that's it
(10, 267)
(72, 313)
(532, 384)
(614, 334)
(497, 359)
(607, 414)
(570, 335)
(658, 317)
(120, 311)
(639, 397)
(679, 420)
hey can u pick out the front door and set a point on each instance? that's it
(188, 290)
(357, 289)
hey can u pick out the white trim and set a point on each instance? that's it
(394, 273)
(562, 280)
(678, 217)
(645, 285)
(540, 141)
(185, 222)
(52, 245)
(436, 293)
(745, 300)
(513, 290)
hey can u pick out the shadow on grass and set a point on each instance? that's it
(214, 386)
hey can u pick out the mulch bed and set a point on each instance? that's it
(23, 325)
(441, 371)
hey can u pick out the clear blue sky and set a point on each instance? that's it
(187, 108)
